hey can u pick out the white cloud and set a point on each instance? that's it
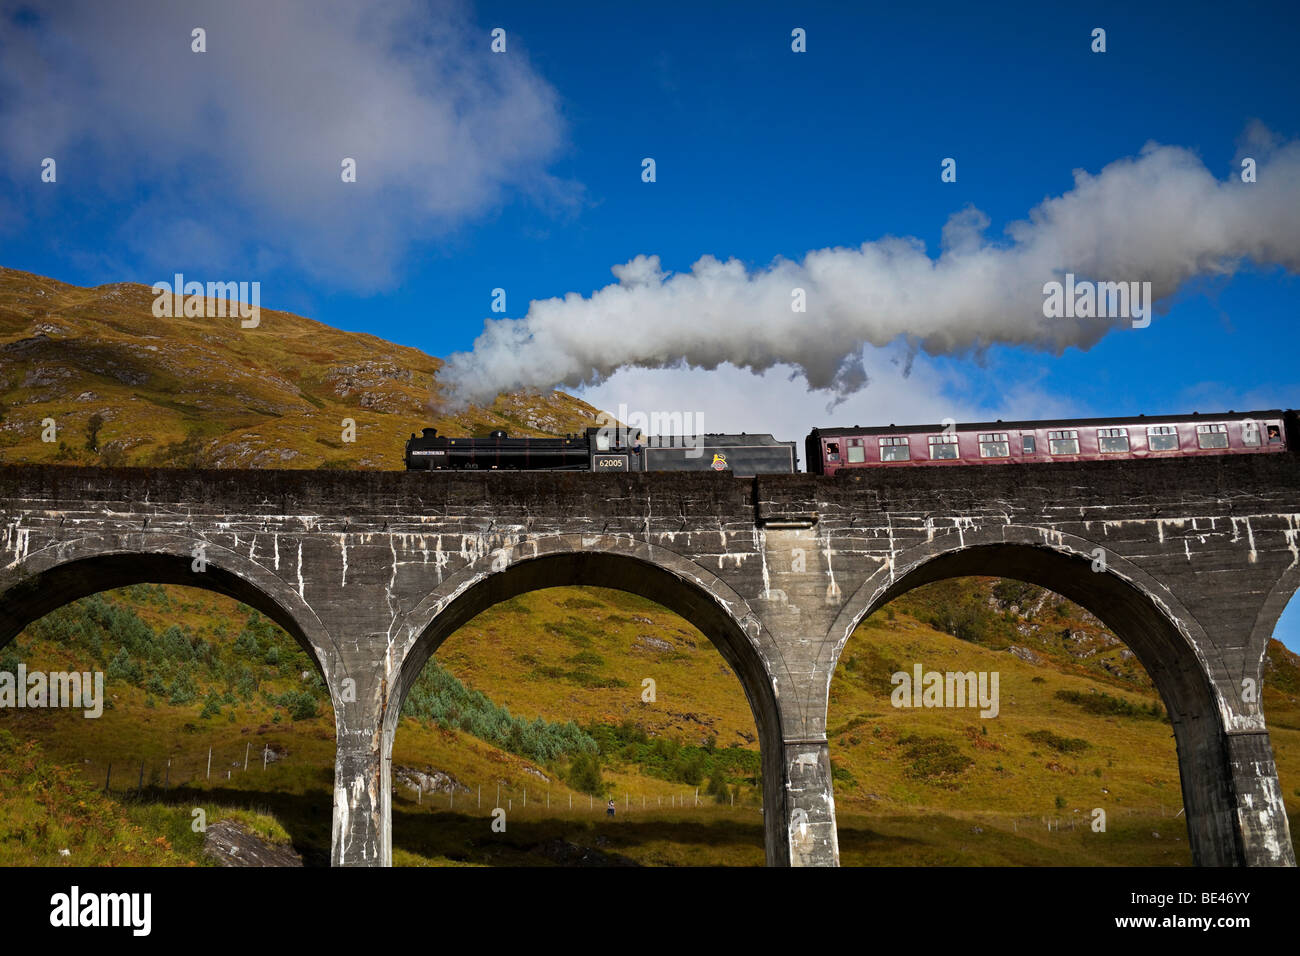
(1161, 217)
(730, 399)
(240, 147)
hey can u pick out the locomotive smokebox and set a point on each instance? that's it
(429, 432)
(499, 433)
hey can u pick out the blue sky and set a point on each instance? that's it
(522, 171)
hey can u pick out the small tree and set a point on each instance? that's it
(123, 668)
(584, 775)
(93, 426)
(718, 788)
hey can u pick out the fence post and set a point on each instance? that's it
(247, 747)
(480, 796)
(266, 752)
(167, 779)
(139, 789)
(209, 763)
(108, 776)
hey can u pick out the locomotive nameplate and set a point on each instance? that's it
(427, 451)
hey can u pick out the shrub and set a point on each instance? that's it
(246, 643)
(1105, 705)
(584, 775)
(182, 690)
(933, 758)
(439, 697)
(123, 668)
(1064, 745)
(718, 789)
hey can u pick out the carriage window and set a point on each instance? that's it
(1274, 435)
(1030, 445)
(857, 454)
(894, 449)
(832, 451)
(1250, 433)
(1063, 442)
(1112, 440)
(995, 445)
(1212, 436)
(1162, 438)
(943, 446)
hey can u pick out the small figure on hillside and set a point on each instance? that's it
(609, 808)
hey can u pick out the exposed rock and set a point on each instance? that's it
(1025, 654)
(653, 643)
(232, 844)
(571, 854)
(430, 781)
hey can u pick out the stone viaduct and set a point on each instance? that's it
(371, 571)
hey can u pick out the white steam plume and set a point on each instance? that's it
(1161, 217)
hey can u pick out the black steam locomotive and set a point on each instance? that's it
(603, 450)
(834, 450)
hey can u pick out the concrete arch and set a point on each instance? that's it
(625, 564)
(1158, 629)
(62, 573)
(1270, 613)
(1155, 625)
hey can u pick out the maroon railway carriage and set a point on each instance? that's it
(830, 450)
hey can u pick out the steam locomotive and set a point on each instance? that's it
(603, 450)
(833, 450)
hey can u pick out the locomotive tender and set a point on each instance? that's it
(830, 451)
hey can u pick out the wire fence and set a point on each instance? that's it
(469, 798)
(213, 765)
(217, 765)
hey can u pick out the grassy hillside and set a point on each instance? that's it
(538, 699)
(525, 695)
(186, 392)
